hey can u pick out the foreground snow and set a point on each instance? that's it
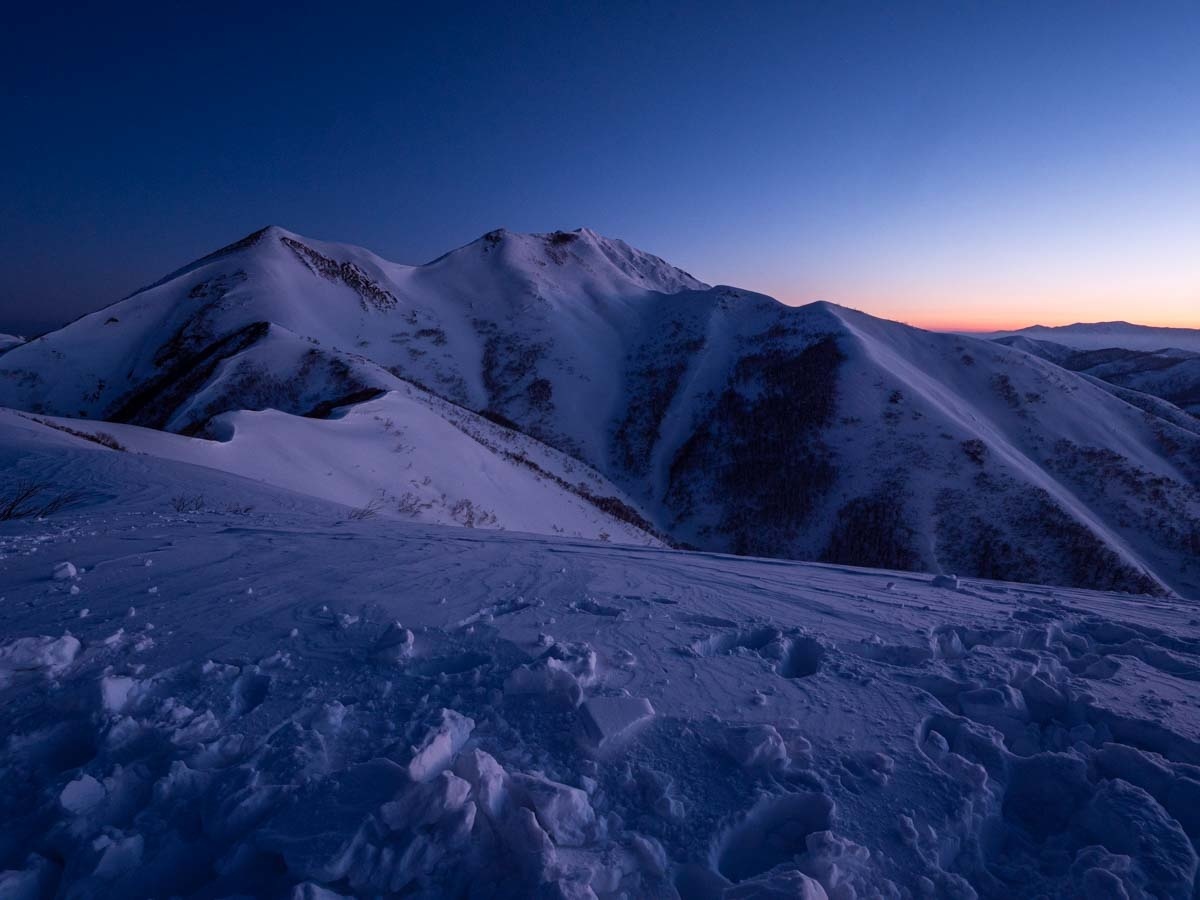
(277, 701)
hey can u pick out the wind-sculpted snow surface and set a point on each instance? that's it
(220, 700)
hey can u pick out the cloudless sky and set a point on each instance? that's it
(959, 164)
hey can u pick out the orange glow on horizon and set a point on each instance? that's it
(983, 315)
(987, 323)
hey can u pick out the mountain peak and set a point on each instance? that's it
(581, 255)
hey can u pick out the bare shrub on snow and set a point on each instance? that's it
(186, 503)
(27, 499)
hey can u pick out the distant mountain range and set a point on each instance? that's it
(1170, 373)
(1105, 335)
(569, 383)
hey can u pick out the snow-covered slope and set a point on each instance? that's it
(403, 454)
(8, 341)
(278, 702)
(730, 421)
(1103, 335)
(1173, 375)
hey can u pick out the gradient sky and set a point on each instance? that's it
(951, 164)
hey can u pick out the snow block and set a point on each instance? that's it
(83, 794)
(529, 843)
(29, 654)
(609, 721)
(488, 780)
(115, 691)
(558, 686)
(64, 571)
(563, 811)
(756, 747)
(945, 581)
(560, 674)
(395, 644)
(426, 803)
(440, 745)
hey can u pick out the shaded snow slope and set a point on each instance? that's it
(729, 421)
(281, 702)
(1170, 374)
(8, 341)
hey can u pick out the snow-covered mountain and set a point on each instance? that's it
(716, 417)
(1172, 374)
(8, 341)
(1105, 335)
(259, 696)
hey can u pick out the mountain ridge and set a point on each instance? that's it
(732, 421)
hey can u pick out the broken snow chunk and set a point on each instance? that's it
(563, 811)
(64, 571)
(74, 589)
(756, 747)
(36, 879)
(558, 686)
(650, 854)
(668, 807)
(608, 721)
(949, 644)
(395, 644)
(345, 620)
(310, 891)
(440, 745)
(488, 780)
(82, 794)
(115, 691)
(623, 659)
(529, 842)
(32, 653)
(119, 856)
(560, 674)
(329, 718)
(779, 884)
(945, 581)
(426, 803)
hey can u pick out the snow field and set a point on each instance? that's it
(442, 712)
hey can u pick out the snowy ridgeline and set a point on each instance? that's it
(569, 384)
(281, 702)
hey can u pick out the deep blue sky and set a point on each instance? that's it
(950, 163)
